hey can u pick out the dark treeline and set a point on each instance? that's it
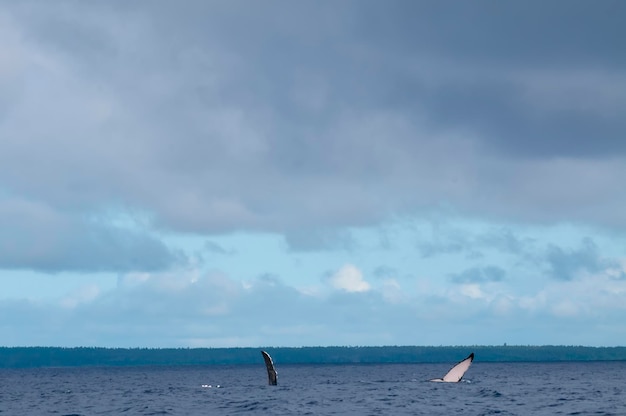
(20, 357)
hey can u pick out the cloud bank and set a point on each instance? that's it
(352, 133)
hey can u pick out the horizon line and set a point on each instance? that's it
(504, 345)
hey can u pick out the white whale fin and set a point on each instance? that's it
(272, 375)
(456, 373)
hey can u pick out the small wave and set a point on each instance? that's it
(489, 393)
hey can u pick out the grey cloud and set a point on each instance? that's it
(444, 239)
(292, 117)
(553, 32)
(533, 48)
(430, 249)
(521, 130)
(34, 237)
(479, 275)
(565, 264)
(448, 240)
(320, 239)
(107, 248)
(506, 241)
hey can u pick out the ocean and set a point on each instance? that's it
(569, 388)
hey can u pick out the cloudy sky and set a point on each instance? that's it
(279, 173)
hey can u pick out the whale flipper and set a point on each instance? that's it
(271, 371)
(456, 373)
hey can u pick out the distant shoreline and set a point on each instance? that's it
(33, 357)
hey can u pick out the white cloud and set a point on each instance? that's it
(350, 279)
(472, 291)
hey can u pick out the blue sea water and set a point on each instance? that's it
(572, 388)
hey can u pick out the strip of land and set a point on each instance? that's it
(31, 357)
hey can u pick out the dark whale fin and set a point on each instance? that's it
(456, 373)
(271, 371)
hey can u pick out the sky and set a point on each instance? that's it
(279, 173)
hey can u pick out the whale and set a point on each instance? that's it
(456, 373)
(272, 375)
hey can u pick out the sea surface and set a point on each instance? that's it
(572, 388)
